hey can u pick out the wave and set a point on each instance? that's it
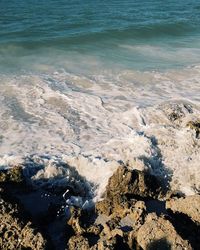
(138, 33)
(94, 124)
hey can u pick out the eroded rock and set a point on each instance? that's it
(134, 183)
(159, 230)
(189, 205)
(13, 175)
(16, 234)
(78, 243)
(194, 125)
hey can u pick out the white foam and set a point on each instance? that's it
(94, 123)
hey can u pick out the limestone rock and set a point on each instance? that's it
(78, 243)
(16, 234)
(159, 233)
(113, 243)
(75, 221)
(94, 229)
(134, 183)
(194, 125)
(12, 175)
(189, 205)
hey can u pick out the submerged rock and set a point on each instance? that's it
(176, 111)
(194, 125)
(159, 233)
(189, 205)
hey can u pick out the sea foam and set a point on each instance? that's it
(74, 129)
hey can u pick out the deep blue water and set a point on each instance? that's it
(99, 34)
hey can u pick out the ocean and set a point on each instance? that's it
(98, 83)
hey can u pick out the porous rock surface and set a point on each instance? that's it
(189, 205)
(123, 220)
(16, 232)
(158, 230)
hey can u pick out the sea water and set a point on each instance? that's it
(92, 83)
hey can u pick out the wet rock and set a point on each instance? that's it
(78, 243)
(159, 232)
(2, 176)
(133, 183)
(75, 220)
(175, 111)
(13, 175)
(194, 125)
(189, 205)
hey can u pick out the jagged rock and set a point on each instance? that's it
(109, 234)
(136, 216)
(75, 220)
(104, 207)
(175, 111)
(12, 175)
(194, 125)
(112, 243)
(105, 244)
(2, 176)
(159, 233)
(16, 234)
(117, 204)
(94, 229)
(189, 205)
(134, 183)
(78, 243)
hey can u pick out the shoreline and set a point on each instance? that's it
(136, 212)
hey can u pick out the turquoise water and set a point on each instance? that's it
(98, 35)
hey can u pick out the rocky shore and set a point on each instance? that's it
(137, 212)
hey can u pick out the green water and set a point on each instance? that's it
(98, 35)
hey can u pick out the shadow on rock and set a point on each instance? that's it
(159, 244)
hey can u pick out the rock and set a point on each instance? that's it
(189, 205)
(117, 204)
(194, 125)
(78, 243)
(134, 183)
(16, 234)
(2, 176)
(111, 229)
(94, 229)
(159, 233)
(104, 207)
(112, 243)
(75, 221)
(136, 216)
(12, 175)
(176, 111)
